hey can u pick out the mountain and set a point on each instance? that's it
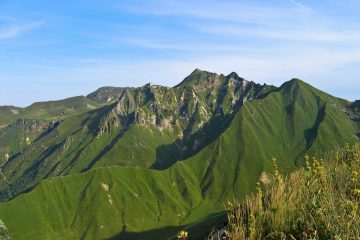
(47, 110)
(107, 94)
(146, 162)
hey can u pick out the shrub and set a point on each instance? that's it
(319, 201)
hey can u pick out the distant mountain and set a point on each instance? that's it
(107, 94)
(48, 110)
(142, 163)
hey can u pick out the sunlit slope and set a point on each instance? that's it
(101, 203)
(138, 203)
(151, 127)
(48, 110)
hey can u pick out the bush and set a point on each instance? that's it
(319, 201)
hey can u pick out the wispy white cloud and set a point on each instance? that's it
(13, 28)
(287, 21)
(300, 34)
(193, 47)
(146, 43)
(233, 11)
(82, 76)
(271, 68)
(263, 41)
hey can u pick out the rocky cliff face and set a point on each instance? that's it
(186, 108)
(355, 106)
(19, 134)
(199, 107)
(4, 232)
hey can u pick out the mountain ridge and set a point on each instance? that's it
(159, 157)
(116, 91)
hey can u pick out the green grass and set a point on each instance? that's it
(52, 110)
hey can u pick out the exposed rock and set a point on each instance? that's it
(14, 111)
(106, 94)
(89, 106)
(105, 186)
(4, 232)
(184, 109)
(66, 144)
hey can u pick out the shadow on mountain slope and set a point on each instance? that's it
(311, 133)
(181, 149)
(198, 230)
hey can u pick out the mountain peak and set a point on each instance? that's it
(197, 70)
(295, 82)
(197, 76)
(235, 76)
(107, 94)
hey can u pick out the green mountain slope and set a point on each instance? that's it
(131, 176)
(107, 94)
(151, 127)
(8, 113)
(47, 110)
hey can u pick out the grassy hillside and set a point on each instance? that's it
(52, 110)
(133, 202)
(8, 113)
(163, 124)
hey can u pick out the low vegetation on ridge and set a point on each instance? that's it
(320, 201)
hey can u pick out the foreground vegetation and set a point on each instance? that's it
(320, 201)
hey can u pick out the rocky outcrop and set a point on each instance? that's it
(185, 108)
(106, 94)
(355, 106)
(4, 232)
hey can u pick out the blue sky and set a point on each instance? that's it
(55, 49)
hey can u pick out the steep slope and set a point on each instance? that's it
(138, 203)
(20, 133)
(151, 127)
